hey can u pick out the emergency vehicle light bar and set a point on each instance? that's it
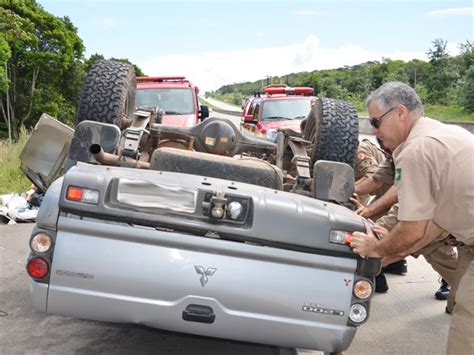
(157, 79)
(288, 90)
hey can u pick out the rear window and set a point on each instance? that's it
(171, 101)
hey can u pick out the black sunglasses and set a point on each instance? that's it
(375, 121)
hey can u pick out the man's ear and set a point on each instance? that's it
(402, 112)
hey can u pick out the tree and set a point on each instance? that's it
(45, 53)
(442, 74)
(5, 55)
(95, 57)
(395, 71)
(466, 54)
(138, 71)
(466, 90)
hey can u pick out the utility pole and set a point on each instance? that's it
(269, 80)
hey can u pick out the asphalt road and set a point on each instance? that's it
(406, 320)
(222, 105)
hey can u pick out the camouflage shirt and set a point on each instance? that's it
(369, 157)
(372, 161)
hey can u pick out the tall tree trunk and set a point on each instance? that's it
(33, 86)
(6, 112)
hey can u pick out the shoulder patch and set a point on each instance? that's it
(398, 175)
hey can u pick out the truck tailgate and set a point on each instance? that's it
(123, 273)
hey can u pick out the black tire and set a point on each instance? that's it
(108, 93)
(332, 127)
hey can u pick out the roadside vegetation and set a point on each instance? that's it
(12, 178)
(445, 83)
(42, 66)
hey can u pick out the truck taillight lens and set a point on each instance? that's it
(37, 268)
(340, 237)
(80, 194)
(362, 289)
(41, 243)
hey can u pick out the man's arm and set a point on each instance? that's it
(383, 203)
(387, 200)
(366, 185)
(432, 232)
(401, 239)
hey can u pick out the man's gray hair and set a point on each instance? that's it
(395, 93)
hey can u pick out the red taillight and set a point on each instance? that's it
(37, 268)
(74, 193)
(347, 238)
(79, 194)
(340, 237)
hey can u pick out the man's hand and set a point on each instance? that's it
(380, 231)
(365, 244)
(361, 210)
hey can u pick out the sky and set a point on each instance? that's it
(219, 42)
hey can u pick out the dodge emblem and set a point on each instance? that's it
(204, 273)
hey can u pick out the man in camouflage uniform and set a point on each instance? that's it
(374, 173)
(377, 168)
(372, 162)
(369, 160)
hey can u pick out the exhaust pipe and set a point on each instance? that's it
(113, 159)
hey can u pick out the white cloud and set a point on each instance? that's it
(451, 12)
(260, 35)
(310, 13)
(213, 69)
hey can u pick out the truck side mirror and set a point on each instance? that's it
(333, 182)
(203, 112)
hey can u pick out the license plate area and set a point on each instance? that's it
(148, 196)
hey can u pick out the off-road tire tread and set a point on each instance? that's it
(108, 93)
(333, 128)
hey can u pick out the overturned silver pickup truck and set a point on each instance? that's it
(201, 230)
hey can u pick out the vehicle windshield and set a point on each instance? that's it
(171, 101)
(292, 109)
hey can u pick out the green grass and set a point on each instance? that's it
(12, 178)
(438, 112)
(448, 113)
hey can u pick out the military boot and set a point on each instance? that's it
(398, 268)
(381, 285)
(443, 291)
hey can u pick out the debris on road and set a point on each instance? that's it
(20, 208)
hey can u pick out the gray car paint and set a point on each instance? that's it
(114, 269)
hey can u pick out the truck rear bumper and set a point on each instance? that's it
(228, 323)
(38, 295)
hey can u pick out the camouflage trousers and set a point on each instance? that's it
(441, 255)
